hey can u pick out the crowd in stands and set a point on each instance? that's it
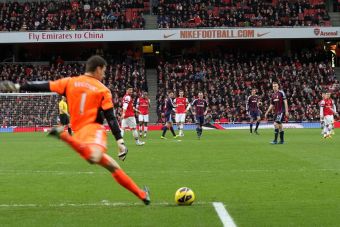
(71, 15)
(227, 79)
(119, 74)
(241, 13)
(336, 5)
(28, 111)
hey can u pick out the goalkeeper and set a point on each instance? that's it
(88, 101)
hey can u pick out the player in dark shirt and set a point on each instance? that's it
(169, 106)
(200, 106)
(279, 103)
(252, 108)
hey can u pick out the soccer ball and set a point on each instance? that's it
(184, 196)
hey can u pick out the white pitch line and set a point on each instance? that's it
(103, 203)
(223, 214)
(57, 172)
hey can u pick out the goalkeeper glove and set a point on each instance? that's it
(122, 149)
(9, 86)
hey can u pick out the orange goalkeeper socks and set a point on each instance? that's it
(124, 180)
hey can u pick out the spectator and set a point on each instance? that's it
(241, 13)
(70, 15)
(229, 77)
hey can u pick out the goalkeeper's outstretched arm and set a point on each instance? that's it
(36, 86)
(9, 86)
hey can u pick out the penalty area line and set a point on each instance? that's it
(223, 214)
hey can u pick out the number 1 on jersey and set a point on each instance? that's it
(82, 102)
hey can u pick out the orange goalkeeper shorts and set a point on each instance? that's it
(92, 134)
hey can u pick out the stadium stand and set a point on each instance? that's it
(119, 74)
(241, 13)
(227, 78)
(71, 15)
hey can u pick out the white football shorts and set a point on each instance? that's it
(329, 119)
(180, 118)
(129, 122)
(143, 118)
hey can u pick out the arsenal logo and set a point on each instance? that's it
(316, 31)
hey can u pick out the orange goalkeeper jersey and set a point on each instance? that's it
(85, 97)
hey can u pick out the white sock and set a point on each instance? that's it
(325, 130)
(329, 129)
(145, 129)
(135, 134)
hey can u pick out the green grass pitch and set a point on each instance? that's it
(44, 183)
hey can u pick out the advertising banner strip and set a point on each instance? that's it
(158, 127)
(171, 34)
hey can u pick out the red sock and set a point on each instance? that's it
(82, 149)
(124, 180)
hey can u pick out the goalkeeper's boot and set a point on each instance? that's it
(281, 142)
(147, 199)
(163, 138)
(273, 142)
(56, 131)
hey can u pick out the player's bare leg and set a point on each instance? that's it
(94, 154)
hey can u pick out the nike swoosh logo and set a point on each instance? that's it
(167, 36)
(260, 35)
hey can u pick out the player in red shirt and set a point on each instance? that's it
(327, 112)
(128, 116)
(143, 105)
(88, 101)
(182, 106)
